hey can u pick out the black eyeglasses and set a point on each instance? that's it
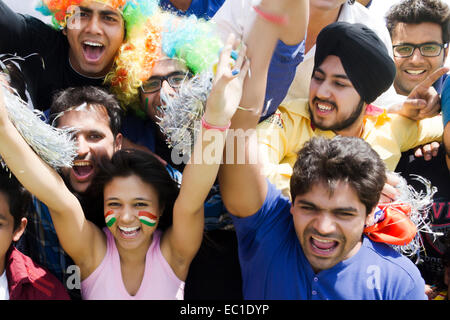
(429, 49)
(175, 79)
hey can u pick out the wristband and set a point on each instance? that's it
(206, 125)
(277, 19)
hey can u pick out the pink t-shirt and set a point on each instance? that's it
(159, 281)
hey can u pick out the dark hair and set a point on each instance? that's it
(127, 162)
(16, 77)
(93, 96)
(347, 159)
(419, 11)
(19, 199)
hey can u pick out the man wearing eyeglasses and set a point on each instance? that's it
(420, 34)
(167, 75)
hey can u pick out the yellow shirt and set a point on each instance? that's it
(282, 135)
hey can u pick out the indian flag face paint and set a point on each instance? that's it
(110, 218)
(147, 218)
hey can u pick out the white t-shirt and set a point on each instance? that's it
(355, 13)
(4, 292)
(237, 16)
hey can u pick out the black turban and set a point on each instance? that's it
(363, 55)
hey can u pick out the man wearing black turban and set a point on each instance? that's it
(358, 59)
(351, 69)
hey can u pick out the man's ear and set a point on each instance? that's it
(64, 31)
(20, 229)
(118, 142)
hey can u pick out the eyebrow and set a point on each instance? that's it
(339, 209)
(2, 217)
(340, 76)
(175, 73)
(102, 12)
(138, 198)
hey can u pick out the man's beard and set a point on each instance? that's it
(340, 125)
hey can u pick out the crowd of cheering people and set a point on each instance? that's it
(225, 150)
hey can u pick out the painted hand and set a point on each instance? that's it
(228, 82)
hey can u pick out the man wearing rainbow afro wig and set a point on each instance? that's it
(162, 77)
(77, 50)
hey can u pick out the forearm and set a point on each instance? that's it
(297, 14)
(200, 173)
(34, 174)
(242, 184)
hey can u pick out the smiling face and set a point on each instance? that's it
(329, 227)
(95, 34)
(134, 206)
(94, 140)
(334, 103)
(414, 69)
(151, 102)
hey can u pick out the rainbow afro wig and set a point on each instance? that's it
(189, 39)
(133, 11)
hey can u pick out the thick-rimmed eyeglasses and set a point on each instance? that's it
(175, 79)
(429, 49)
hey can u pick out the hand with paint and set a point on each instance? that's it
(226, 92)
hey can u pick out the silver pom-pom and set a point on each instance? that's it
(182, 112)
(55, 146)
(420, 203)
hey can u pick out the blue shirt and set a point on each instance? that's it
(281, 73)
(200, 8)
(274, 266)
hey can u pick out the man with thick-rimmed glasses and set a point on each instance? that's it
(421, 25)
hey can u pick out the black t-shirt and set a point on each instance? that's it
(24, 35)
(437, 172)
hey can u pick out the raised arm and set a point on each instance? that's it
(242, 186)
(75, 234)
(199, 175)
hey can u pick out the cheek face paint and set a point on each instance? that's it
(110, 218)
(147, 218)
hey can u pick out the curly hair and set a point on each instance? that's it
(347, 159)
(133, 11)
(419, 11)
(189, 39)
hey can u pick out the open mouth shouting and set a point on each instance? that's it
(322, 246)
(82, 170)
(93, 51)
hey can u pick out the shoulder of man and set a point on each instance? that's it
(397, 273)
(27, 280)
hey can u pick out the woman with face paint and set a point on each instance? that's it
(153, 228)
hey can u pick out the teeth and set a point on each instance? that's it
(82, 163)
(324, 107)
(415, 71)
(322, 240)
(125, 229)
(93, 44)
